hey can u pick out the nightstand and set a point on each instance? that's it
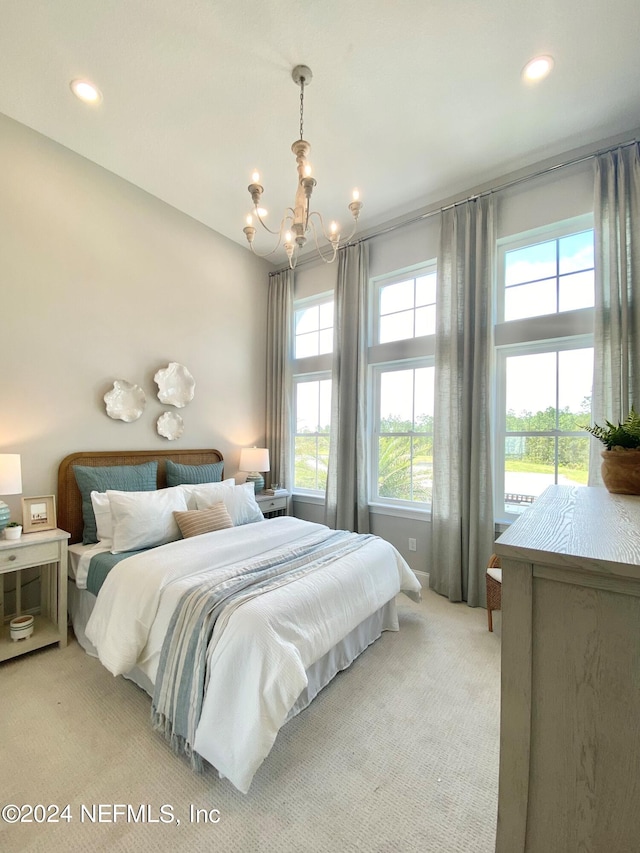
(47, 550)
(272, 505)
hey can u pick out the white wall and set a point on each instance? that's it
(101, 281)
(559, 195)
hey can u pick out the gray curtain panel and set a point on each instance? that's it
(346, 504)
(462, 503)
(279, 355)
(616, 384)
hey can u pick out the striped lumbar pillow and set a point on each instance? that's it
(197, 521)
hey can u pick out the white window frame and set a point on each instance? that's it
(299, 380)
(544, 234)
(303, 305)
(311, 368)
(565, 330)
(379, 282)
(393, 355)
(375, 373)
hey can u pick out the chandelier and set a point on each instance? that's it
(299, 221)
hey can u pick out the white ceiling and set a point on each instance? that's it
(411, 101)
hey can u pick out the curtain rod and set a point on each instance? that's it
(498, 188)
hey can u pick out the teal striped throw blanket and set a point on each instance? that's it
(181, 677)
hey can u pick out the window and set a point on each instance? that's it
(544, 365)
(406, 308)
(313, 335)
(314, 329)
(547, 402)
(401, 387)
(313, 419)
(548, 277)
(402, 448)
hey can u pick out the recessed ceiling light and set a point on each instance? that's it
(537, 68)
(86, 91)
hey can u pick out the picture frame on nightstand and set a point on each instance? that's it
(39, 513)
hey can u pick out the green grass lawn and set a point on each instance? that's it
(519, 466)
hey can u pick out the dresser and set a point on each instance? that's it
(570, 703)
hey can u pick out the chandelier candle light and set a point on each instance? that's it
(299, 219)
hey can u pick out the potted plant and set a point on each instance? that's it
(621, 457)
(13, 530)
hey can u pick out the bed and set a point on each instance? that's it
(231, 631)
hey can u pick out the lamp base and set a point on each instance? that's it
(5, 515)
(257, 480)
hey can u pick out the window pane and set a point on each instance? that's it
(530, 300)
(396, 297)
(323, 461)
(530, 263)
(307, 411)
(573, 460)
(306, 345)
(531, 392)
(422, 468)
(326, 341)
(324, 421)
(424, 403)
(396, 401)
(326, 315)
(576, 252)
(394, 467)
(576, 291)
(426, 289)
(426, 321)
(307, 320)
(529, 469)
(396, 327)
(305, 462)
(575, 388)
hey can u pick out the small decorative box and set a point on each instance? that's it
(21, 627)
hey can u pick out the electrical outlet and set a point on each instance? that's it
(412, 544)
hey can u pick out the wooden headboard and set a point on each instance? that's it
(70, 499)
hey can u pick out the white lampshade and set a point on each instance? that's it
(254, 459)
(11, 474)
(10, 483)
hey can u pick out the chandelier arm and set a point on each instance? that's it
(327, 259)
(264, 254)
(289, 214)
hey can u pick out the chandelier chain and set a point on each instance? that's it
(301, 106)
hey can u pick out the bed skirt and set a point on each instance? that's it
(319, 674)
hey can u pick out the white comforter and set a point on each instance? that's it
(257, 669)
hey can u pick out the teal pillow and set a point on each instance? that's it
(191, 475)
(125, 478)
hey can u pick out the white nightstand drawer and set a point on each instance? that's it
(272, 504)
(34, 554)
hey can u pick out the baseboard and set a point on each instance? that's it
(423, 577)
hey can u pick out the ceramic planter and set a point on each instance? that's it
(621, 471)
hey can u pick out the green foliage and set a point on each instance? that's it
(625, 434)
(14, 524)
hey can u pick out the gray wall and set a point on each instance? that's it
(101, 281)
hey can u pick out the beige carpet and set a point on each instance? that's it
(399, 753)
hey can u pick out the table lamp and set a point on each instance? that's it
(255, 460)
(10, 483)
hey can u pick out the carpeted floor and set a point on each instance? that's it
(399, 753)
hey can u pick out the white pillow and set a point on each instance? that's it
(145, 519)
(240, 502)
(211, 492)
(102, 512)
